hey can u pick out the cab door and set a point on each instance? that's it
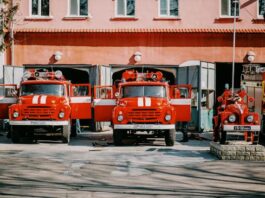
(8, 96)
(80, 101)
(181, 101)
(104, 103)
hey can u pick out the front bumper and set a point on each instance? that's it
(145, 126)
(241, 128)
(38, 123)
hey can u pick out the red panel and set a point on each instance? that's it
(80, 101)
(103, 113)
(183, 112)
(4, 111)
(81, 111)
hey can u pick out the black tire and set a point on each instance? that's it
(15, 135)
(256, 137)
(118, 136)
(170, 137)
(184, 130)
(223, 137)
(73, 130)
(66, 133)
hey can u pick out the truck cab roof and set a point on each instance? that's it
(45, 82)
(145, 83)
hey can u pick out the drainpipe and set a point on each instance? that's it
(12, 39)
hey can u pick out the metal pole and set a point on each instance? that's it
(234, 46)
(12, 39)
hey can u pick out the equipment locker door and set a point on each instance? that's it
(8, 96)
(80, 101)
(181, 100)
(104, 103)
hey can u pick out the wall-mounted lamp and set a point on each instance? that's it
(58, 55)
(251, 56)
(137, 56)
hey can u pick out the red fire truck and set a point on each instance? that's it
(233, 116)
(143, 104)
(45, 105)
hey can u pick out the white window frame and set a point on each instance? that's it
(168, 10)
(39, 9)
(259, 16)
(229, 9)
(124, 16)
(78, 4)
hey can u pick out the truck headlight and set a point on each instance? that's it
(120, 118)
(15, 114)
(168, 117)
(232, 118)
(250, 118)
(61, 114)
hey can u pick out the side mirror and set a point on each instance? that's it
(251, 99)
(117, 94)
(220, 99)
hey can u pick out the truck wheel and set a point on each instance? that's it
(73, 129)
(118, 137)
(170, 137)
(15, 136)
(255, 138)
(66, 133)
(223, 137)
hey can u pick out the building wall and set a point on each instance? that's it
(199, 33)
(119, 48)
(192, 14)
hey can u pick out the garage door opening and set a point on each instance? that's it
(224, 75)
(168, 76)
(75, 75)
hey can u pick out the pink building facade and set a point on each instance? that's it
(110, 32)
(102, 34)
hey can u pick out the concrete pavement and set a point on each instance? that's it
(53, 169)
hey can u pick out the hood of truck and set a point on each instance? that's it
(238, 108)
(41, 100)
(143, 102)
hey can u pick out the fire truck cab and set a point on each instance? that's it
(143, 104)
(45, 105)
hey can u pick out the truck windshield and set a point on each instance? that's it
(144, 91)
(42, 89)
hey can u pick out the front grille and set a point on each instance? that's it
(38, 112)
(144, 115)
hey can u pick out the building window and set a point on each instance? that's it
(125, 8)
(78, 7)
(228, 7)
(169, 8)
(262, 8)
(40, 7)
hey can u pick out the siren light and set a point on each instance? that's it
(42, 75)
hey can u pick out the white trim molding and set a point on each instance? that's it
(105, 102)
(145, 126)
(38, 123)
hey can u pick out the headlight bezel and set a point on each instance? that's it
(168, 117)
(61, 114)
(250, 118)
(232, 118)
(15, 114)
(120, 118)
